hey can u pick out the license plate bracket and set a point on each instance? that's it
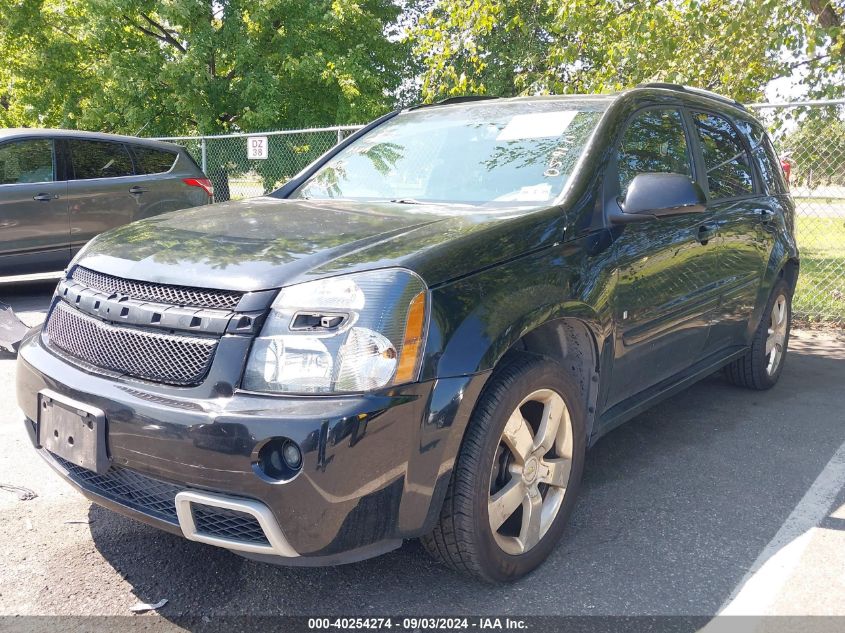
(72, 430)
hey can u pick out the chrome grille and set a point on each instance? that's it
(166, 358)
(156, 498)
(158, 293)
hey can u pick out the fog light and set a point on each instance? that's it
(293, 458)
(279, 459)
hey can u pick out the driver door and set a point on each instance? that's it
(667, 271)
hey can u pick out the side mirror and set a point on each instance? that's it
(652, 196)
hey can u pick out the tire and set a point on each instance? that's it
(757, 369)
(464, 538)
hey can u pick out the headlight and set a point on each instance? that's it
(351, 333)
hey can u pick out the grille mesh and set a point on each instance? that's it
(158, 293)
(230, 524)
(166, 358)
(139, 492)
(157, 499)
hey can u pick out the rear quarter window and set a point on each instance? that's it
(764, 155)
(153, 161)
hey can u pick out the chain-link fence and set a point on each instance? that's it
(810, 137)
(227, 160)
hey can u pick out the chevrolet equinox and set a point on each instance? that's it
(420, 334)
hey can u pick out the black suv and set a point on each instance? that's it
(421, 333)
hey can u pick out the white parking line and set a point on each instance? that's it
(757, 591)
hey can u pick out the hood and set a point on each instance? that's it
(267, 242)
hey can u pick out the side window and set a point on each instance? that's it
(729, 172)
(153, 161)
(26, 162)
(765, 156)
(99, 159)
(777, 184)
(654, 141)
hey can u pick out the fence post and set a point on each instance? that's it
(339, 136)
(202, 152)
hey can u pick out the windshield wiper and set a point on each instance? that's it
(406, 201)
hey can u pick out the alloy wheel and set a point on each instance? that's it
(530, 472)
(776, 337)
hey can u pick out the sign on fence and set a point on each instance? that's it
(256, 147)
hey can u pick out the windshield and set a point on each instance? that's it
(511, 152)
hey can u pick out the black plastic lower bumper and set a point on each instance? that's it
(375, 467)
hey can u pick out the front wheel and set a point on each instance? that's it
(517, 473)
(762, 365)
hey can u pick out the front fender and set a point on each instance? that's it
(477, 319)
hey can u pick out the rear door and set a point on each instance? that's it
(777, 209)
(103, 191)
(34, 231)
(735, 198)
(667, 272)
(164, 173)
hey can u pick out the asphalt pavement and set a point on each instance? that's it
(718, 498)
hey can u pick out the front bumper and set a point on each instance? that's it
(375, 467)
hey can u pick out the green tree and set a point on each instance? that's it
(197, 66)
(825, 47)
(511, 47)
(816, 147)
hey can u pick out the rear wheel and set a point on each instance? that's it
(517, 473)
(762, 365)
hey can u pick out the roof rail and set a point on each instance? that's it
(451, 100)
(697, 91)
(464, 98)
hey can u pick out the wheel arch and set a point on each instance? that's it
(789, 271)
(571, 343)
(783, 263)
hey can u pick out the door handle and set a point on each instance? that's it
(45, 197)
(767, 215)
(136, 190)
(706, 232)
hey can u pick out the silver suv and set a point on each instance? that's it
(60, 188)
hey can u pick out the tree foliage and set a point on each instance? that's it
(165, 67)
(816, 147)
(825, 48)
(196, 65)
(511, 47)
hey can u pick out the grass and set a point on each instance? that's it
(820, 295)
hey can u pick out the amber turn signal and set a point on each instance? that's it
(412, 341)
